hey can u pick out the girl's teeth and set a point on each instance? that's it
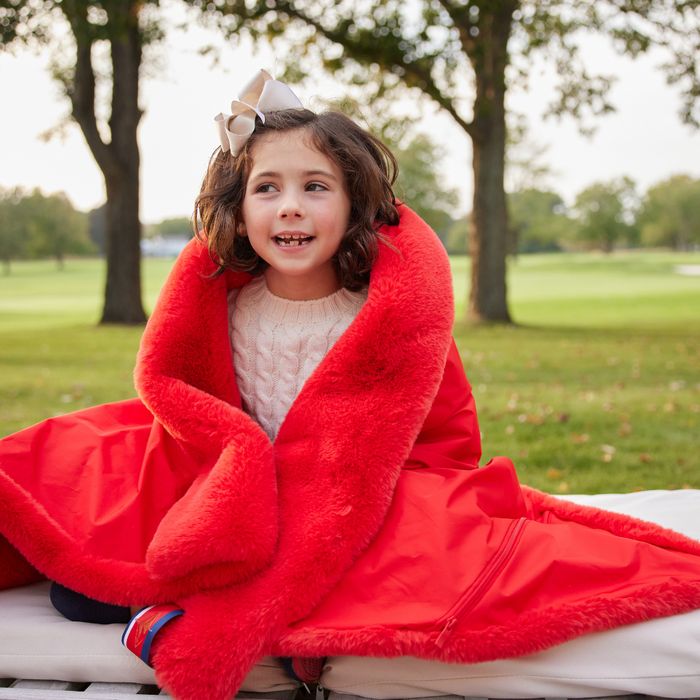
(293, 240)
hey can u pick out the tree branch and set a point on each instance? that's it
(82, 96)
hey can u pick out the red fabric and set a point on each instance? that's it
(366, 528)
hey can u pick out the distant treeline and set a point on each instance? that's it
(34, 225)
(604, 216)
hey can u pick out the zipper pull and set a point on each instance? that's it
(446, 632)
(319, 692)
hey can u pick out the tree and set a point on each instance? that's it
(421, 187)
(33, 225)
(13, 239)
(124, 27)
(458, 235)
(538, 220)
(173, 227)
(671, 213)
(54, 227)
(447, 49)
(606, 213)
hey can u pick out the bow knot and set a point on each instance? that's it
(259, 96)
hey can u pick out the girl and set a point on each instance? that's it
(319, 494)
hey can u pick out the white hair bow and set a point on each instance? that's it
(261, 95)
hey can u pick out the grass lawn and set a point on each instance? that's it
(597, 389)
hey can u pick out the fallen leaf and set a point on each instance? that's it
(563, 487)
(686, 486)
(637, 489)
(554, 474)
(607, 457)
(510, 429)
(644, 457)
(563, 417)
(624, 429)
(580, 438)
(524, 452)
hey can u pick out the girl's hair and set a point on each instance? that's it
(370, 170)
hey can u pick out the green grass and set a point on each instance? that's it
(629, 289)
(606, 354)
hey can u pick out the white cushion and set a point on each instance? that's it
(37, 642)
(659, 657)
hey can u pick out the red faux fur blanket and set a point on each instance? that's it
(366, 528)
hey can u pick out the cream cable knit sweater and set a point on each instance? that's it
(278, 343)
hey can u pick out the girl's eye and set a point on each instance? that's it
(316, 187)
(265, 188)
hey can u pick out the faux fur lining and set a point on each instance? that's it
(615, 523)
(533, 632)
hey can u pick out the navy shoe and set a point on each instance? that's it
(79, 608)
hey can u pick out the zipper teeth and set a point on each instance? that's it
(461, 607)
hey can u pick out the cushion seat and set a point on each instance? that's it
(659, 657)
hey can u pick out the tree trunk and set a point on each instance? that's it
(123, 227)
(118, 160)
(488, 242)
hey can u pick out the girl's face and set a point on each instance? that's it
(295, 213)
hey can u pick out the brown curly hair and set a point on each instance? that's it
(370, 171)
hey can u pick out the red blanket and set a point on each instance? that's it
(366, 528)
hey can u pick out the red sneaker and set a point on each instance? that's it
(303, 669)
(143, 627)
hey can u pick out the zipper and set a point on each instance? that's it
(472, 597)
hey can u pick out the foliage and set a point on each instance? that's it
(13, 241)
(181, 226)
(421, 186)
(671, 213)
(54, 227)
(436, 45)
(458, 236)
(34, 225)
(526, 168)
(606, 213)
(538, 220)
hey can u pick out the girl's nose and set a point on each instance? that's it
(291, 206)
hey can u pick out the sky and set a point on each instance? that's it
(643, 139)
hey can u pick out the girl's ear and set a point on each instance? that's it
(241, 230)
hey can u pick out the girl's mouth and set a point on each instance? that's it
(293, 239)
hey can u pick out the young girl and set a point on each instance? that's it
(300, 473)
